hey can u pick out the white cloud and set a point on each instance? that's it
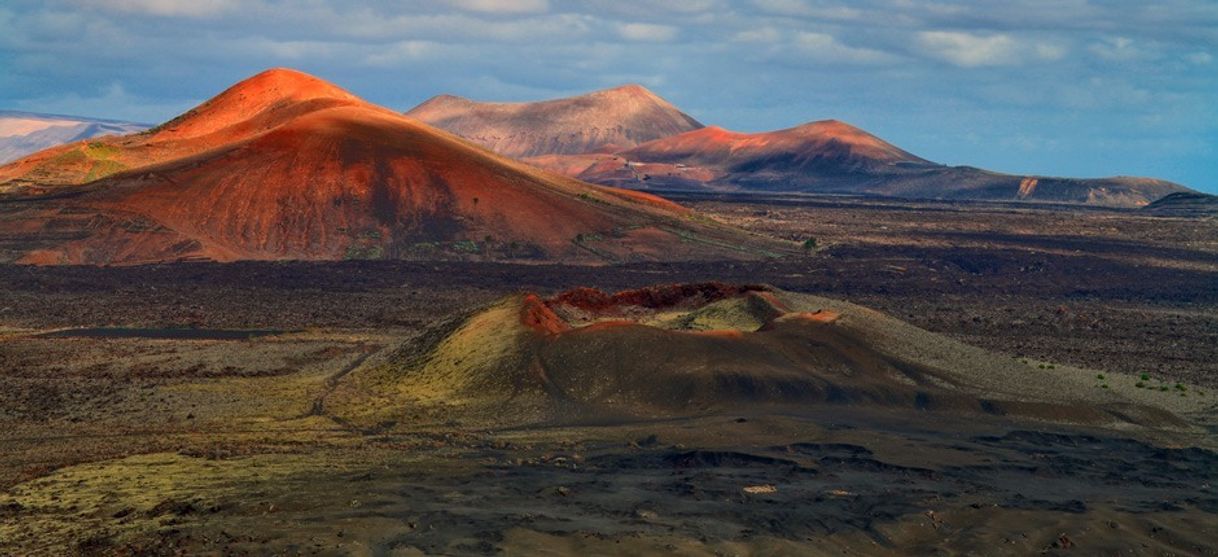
(647, 32)
(964, 49)
(112, 101)
(768, 35)
(803, 9)
(450, 26)
(1048, 51)
(291, 50)
(784, 7)
(826, 48)
(973, 50)
(690, 6)
(1116, 48)
(632, 8)
(168, 8)
(503, 6)
(402, 51)
(1200, 58)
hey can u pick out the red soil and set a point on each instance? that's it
(714, 144)
(536, 315)
(284, 165)
(599, 122)
(306, 188)
(261, 99)
(654, 297)
(647, 198)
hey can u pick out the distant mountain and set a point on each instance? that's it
(832, 157)
(599, 122)
(284, 165)
(1184, 204)
(628, 137)
(22, 133)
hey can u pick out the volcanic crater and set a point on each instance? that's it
(692, 349)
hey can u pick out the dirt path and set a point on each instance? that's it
(319, 404)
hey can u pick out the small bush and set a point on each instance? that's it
(810, 244)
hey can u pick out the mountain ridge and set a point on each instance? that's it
(825, 156)
(600, 121)
(286, 166)
(23, 133)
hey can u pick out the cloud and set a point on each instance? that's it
(653, 9)
(826, 48)
(649, 32)
(503, 6)
(784, 7)
(449, 27)
(768, 35)
(1200, 58)
(800, 8)
(402, 51)
(168, 8)
(112, 101)
(1117, 49)
(970, 50)
(923, 72)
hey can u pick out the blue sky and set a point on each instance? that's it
(1057, 87)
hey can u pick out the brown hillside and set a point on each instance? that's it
(598, 122)
(831, 157)
(286, 166)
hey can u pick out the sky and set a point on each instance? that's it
(1053, 87)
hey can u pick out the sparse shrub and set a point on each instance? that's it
(1100, 377)
(1139, 384)
(1145, 377)
(810, 244)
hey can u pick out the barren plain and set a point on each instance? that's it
(134, 423)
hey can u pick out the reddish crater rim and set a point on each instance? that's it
(652, 297)
(536, 315)
(550, 317)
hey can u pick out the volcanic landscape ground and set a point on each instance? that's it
(191, 444)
